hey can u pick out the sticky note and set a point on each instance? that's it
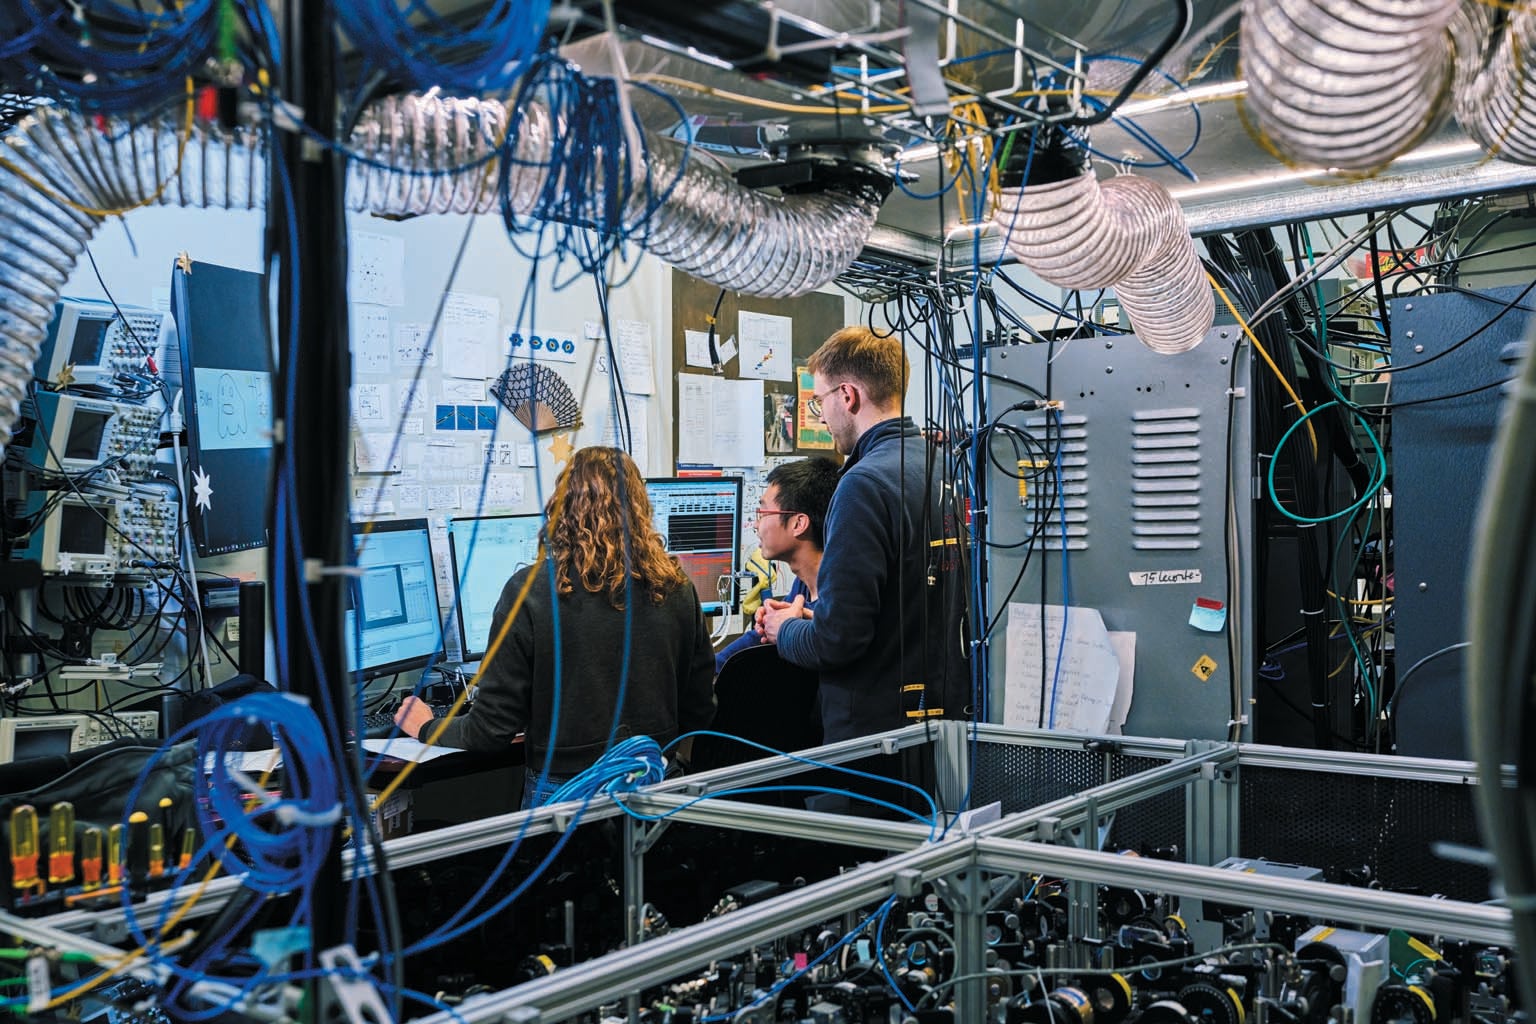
(1208, 614)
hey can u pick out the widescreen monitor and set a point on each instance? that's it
(394, 623)
(699, 518)
(486, 551)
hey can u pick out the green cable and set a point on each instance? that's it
(1378, 475)
(1347, 616)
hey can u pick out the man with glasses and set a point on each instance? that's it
(789, 529)
(886, 636)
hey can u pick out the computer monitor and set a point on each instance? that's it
(486, 551)
(699, 518)
(226, 400)
(392, 602)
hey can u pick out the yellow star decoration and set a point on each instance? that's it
(67, 375)
(561, 448)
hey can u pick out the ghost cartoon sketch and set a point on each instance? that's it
(231, 408)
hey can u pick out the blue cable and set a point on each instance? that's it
(885, 969)
(1066, 573)
(783, 983)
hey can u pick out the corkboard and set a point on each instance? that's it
(788, 428)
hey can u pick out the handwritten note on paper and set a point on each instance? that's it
(719, 421)
(463, 390)
(632, 338)
(505, 490)
(696, 348)
(611, 432)
(470, 328)
(411, 346)
(371, 402)
(1164, 577)
(443, 496)
(1080, 696)
(372, 453)
(370, 338)
(765, 344)
(376, 269)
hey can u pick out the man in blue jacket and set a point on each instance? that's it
(887, 634)
(790, 527)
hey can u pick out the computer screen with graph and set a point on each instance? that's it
(394, 622)
(486, 551)
(699, 518)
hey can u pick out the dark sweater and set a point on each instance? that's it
(671, 668)
(880, 624)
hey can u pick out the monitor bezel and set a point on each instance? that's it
(453, 563)
(734, 605)
(362, 527)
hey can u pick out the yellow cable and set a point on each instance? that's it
(1351, 600)
(128, 959)
(458, 704)
(1259, 347)
(181, 149)
(1207, 58)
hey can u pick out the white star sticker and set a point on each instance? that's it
(66, 562)
(202, 489)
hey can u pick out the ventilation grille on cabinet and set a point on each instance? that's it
(1073, 505)
(1165, 489)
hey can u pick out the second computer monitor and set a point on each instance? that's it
(699, 518)
(486, 551)
(393, 600)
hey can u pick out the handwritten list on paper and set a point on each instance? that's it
(719, 421)
(370, 338)
(632, 338)
(470, 326)
(1078, 698)
(372, 452)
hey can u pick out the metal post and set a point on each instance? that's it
(306, 233)
(967, 899)
(635, 845)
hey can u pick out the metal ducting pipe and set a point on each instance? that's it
(1348, 84)
(64, 171)
(1126, 233)
(1496, 85)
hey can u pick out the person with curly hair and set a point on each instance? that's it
(607, 610)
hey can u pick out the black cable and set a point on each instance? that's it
(1402, 679)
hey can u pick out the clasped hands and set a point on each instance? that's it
(774, 613)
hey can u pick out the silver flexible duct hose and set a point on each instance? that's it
(1350, 84)
(744, 240)
(54, 159)
(407, 151)
(1496, 98)
(707, 225)
(1126, 233)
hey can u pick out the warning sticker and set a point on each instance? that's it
(1203, 668)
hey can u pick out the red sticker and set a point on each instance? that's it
(1208, 602)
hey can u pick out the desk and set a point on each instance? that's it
(466, 785)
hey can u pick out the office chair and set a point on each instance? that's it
(760, 697)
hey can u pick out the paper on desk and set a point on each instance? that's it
(248, 761)
(406, 749)
(1084, 689)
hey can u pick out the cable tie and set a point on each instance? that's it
(1318, 612)
(316, 570)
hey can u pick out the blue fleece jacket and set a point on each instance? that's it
(880, 625)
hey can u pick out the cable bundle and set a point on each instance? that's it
(105, 56)
(281, 841)
(624, 768)
(421, 48)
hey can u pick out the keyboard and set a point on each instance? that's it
(378, 725)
